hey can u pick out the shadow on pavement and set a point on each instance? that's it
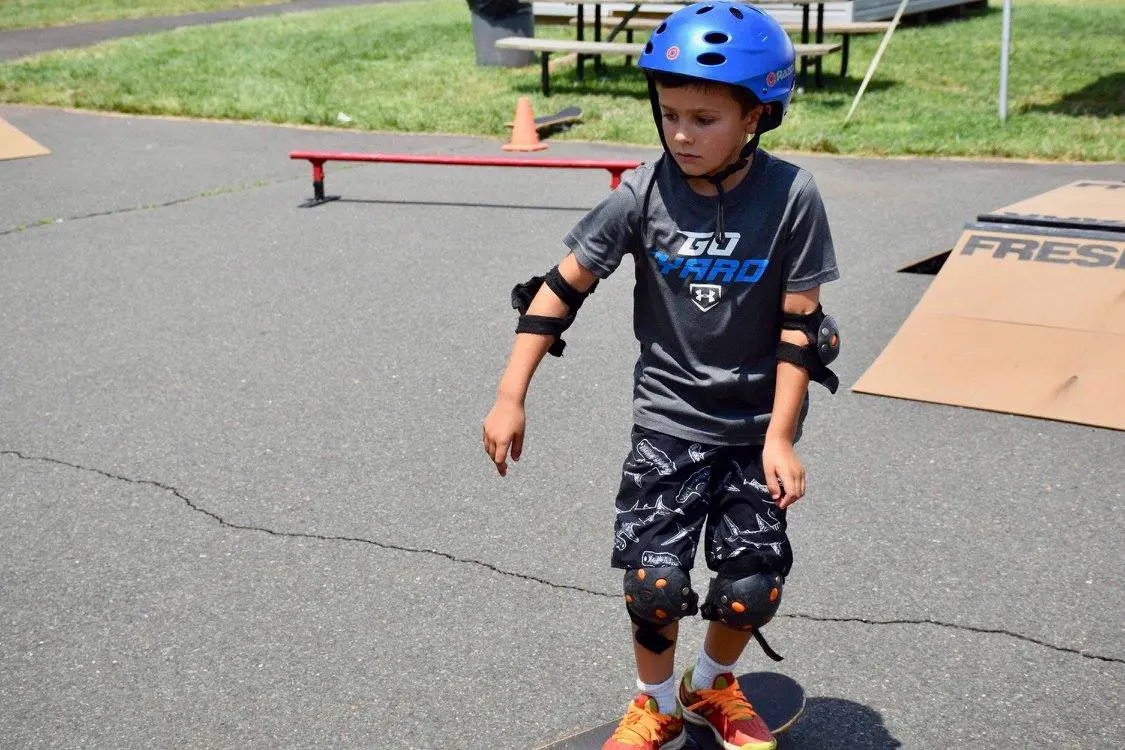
(835, 723)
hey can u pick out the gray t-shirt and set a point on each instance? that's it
(708, 317)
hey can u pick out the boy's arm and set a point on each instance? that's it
(504, 426)
(783, 469)
(529, 348)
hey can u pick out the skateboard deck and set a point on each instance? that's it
(560, 119)
(778, 699)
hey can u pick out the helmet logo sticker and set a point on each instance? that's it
(672, 53)
(778, 75)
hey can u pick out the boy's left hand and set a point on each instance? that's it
(785, 476)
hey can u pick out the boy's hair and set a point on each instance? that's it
(745, 98)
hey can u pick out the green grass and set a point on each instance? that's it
(410, 67)
(36, 14)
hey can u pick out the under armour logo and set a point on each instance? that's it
(705, 296)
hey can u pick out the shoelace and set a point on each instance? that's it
(729, 700)
(641, 725)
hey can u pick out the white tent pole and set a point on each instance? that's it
(875, 60)
(1005, 43)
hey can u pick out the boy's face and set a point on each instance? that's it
(704, 126)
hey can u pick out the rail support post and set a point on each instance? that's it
(318, 186)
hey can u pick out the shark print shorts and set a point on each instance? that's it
(673, 489)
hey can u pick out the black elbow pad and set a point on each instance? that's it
(824, 337)
(523, 294)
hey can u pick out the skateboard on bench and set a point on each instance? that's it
(560, 120)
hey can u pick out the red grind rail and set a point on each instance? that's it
(317, 158)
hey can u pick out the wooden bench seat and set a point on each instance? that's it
(845, 27)
(553, 19)
(546, 47)
(856, 27)
(845, 30)
(646, 20)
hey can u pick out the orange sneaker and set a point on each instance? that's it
(645, 728)
(724, 709)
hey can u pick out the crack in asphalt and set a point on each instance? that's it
(535, 579)
(958, 626)
(301, 534)
(240, 188)
(212, 193)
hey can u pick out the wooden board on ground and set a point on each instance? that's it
(15, 145)
(777, 698)
(1086, 204)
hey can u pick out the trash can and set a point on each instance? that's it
(496, 19)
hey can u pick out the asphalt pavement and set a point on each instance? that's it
(246, 505)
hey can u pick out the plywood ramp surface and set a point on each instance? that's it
(1086, 204)
(1019, 320)
(15, 145)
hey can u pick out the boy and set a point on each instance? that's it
(730, 247)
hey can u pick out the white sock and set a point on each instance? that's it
(706, 670)
(664, 693)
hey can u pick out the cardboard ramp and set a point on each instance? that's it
(16, 145)
(1023, 318)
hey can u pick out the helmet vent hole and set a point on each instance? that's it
(705, 9)
(711, 58)
(716, 37)
(648, 48)
(736, 13)
(660, 28)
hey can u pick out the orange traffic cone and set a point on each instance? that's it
(524, 136)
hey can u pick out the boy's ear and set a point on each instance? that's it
(754, 115)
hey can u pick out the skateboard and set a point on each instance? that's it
(778, 699)
(560, 120)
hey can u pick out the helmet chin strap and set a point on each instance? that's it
(716, 179)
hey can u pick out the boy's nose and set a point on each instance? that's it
(681, 137)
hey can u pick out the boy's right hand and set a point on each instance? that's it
(503, 429)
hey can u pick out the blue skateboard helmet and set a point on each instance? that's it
(727, 42)
(724, 42)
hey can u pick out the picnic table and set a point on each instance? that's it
(545, 47)
(806, 31)
(808, 49)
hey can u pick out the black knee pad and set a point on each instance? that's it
(656, 597)
(744, 595)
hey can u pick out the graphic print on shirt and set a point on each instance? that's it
(703, 262)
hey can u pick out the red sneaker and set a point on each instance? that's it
(645, 728)
(724, 709)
